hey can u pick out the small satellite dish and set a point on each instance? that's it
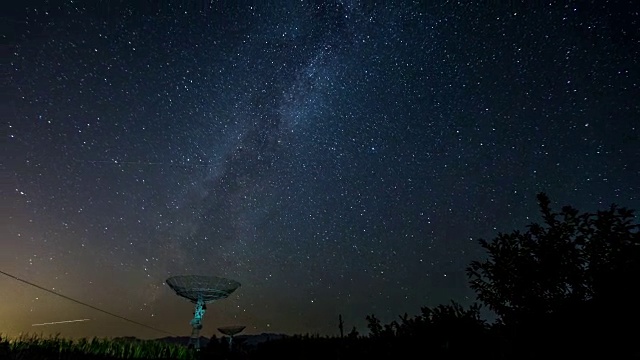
(231, 331)
(201, 290)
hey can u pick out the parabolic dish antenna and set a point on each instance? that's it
(201, 290)
(231, 331)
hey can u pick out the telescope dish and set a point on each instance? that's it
(201, 290)
(207, 288)
(231, 330)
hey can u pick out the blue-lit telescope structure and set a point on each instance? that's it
(201, 290)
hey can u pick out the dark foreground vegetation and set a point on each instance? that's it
(563, 288)
(55, 348)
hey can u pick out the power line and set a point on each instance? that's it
(85, 304)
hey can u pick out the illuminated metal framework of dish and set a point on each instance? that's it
(230, 331)
(201, 290)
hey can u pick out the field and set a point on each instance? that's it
(36, 347)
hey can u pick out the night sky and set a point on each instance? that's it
(334, 158)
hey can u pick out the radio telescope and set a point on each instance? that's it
(231, 331)
(201, 290)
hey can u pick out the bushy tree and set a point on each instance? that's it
(374, 325)
(575, 269)
(572, 257)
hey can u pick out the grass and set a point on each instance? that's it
(37, 347)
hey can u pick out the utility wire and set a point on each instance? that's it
(85, 304)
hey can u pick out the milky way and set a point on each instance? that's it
(334, 158)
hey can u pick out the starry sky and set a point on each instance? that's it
(333, 157)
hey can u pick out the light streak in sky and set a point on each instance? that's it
(60, 322)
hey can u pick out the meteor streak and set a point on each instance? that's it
(60, 322)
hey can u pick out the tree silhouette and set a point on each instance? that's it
(353, 334)
(216, 348)
(570, 271)
(374, 325)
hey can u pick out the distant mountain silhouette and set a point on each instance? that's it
(253, 340)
